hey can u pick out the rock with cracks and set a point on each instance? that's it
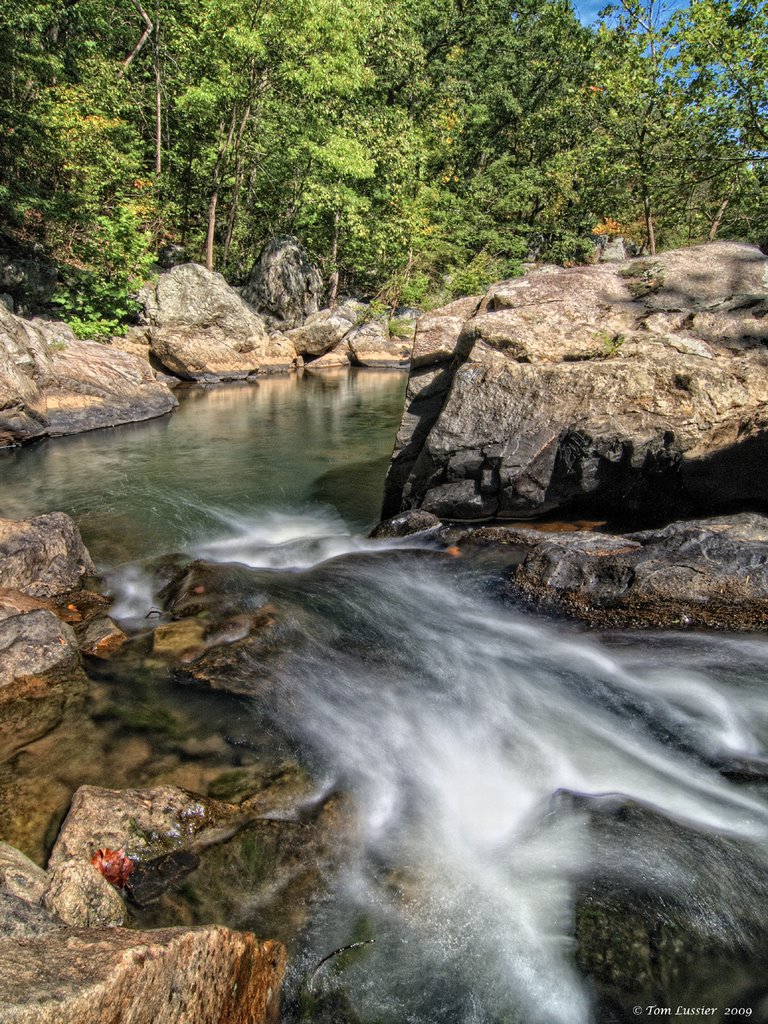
(201, 329)
(637, 390)
(114, 975)
(283, 285)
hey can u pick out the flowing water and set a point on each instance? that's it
(500, 766)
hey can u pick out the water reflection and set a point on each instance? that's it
(151, 487)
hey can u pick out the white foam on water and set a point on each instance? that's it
(453, 736)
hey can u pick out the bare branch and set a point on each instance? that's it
(149, 29)
(336, 952)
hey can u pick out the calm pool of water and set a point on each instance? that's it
(288, 445)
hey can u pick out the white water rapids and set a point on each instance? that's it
(454, 721)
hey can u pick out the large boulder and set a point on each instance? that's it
(201, 329)
(51, 383)
(283, 285)
(108, 975)
(637, 390)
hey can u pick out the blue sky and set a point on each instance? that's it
(587, 9)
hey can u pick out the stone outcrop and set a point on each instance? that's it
(43, 567)
(710, 573)
(637, 390)
(43, 556)
(201, 329)
(52, 383)
(283, 285)
(349, 335)
(110, 975)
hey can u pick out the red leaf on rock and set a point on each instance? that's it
(115, 865)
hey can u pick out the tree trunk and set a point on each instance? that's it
(211, 229)
(333, 288)
(649, 227)
(238, 184)
(718, 219)
(223, 149)
(158, 104)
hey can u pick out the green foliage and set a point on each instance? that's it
(569, 250)
(419, 148)
(97, 296)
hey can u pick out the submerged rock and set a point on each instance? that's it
(636, 390)
(686, 926)
(40, 677)
(405, 524)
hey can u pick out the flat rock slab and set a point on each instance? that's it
(97, 386)
(709, 573)
(52, 383)
(117, 976)
(637, 390)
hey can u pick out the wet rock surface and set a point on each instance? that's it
(684, 931)
(637, 390)
(710, 573)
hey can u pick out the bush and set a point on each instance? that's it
(569, 250)
(96, 296)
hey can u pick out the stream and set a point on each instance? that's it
(516, 783)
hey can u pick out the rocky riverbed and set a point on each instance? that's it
(285, 740)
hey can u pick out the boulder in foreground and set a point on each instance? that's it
(114, 975)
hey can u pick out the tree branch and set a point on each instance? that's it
(149, 29)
